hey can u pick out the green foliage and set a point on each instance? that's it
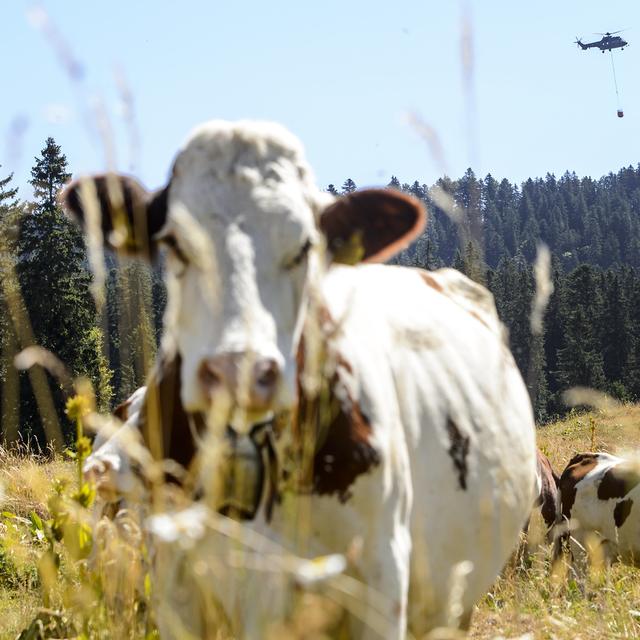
(51, 286)
(54, 282)
(48, 175)
(49, 624)
(99, 373)
(136, 298)
(348, 186)
(490, 231)
(581, 220)
(80, 577)
(332, 190)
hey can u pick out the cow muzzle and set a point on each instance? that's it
(249, 463)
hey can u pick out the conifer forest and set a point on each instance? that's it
(488, 228)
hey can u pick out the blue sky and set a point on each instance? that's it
(343, 75)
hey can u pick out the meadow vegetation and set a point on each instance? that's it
(62, 577)
(528, 599)
(599, 603)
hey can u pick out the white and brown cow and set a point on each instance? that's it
(548, 499)
(540, 527)
(601, 500)
(419, 426)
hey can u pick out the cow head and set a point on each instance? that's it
(245, 226)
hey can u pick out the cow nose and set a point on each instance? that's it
(216, 374)
(251, 382)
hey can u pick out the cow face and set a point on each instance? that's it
(245, 228)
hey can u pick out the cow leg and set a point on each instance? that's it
(385, 571)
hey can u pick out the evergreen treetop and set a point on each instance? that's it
(48, 175)
(7, 194)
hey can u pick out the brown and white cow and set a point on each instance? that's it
(548, 500)
(601, 501)
(396, 383)
(540, 528)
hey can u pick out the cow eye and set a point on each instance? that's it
(170, 241)
(299, 257)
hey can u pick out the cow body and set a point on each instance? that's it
(420, 427)
(413, 376)
(547, 506)
(109, 467)
(600, 496)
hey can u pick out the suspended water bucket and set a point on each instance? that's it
(620, 113)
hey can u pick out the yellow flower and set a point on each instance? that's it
(77, 407)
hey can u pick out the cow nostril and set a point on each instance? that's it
(210, 376)
(267, 374)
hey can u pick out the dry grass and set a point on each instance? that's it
(524, 601)
(26, 484)
(26, 479)
(603, 604)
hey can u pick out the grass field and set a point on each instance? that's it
(525, 602)
(605, 604)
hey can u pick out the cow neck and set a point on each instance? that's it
(168, 430)
(330, 429)
(579, 466)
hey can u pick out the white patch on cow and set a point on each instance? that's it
(409, 391)
(109, 465)
(593, 518)
(252, 205)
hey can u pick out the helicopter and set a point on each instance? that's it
(606, 43)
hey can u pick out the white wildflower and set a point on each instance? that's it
(186, 526)
(311, 572)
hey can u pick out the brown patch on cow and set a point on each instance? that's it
(579, 466)
(622, 511)
(122, 410)
(166, 427)
(371, 225)
(434, 284)
(618, 481)
(479, 318)
(458, 452)
(340, 433)
(125, 206)
(549, 498)
(431, 281)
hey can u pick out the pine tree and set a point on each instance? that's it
(135, 303)
(616, 333)
(9, 381)
(54, 281)
(48, 175)
(349, 186)
(394, 183)
(580, 362)
(468, 194)
(7, 195)
(332, 190)
(473, 265)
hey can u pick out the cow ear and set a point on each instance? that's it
(128, 214)
(371, 225)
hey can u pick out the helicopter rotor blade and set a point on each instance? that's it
(609, 33)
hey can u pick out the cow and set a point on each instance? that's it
(380, 402)
(540, 526)
(108, 468)
(600, 496)
(548, 498)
